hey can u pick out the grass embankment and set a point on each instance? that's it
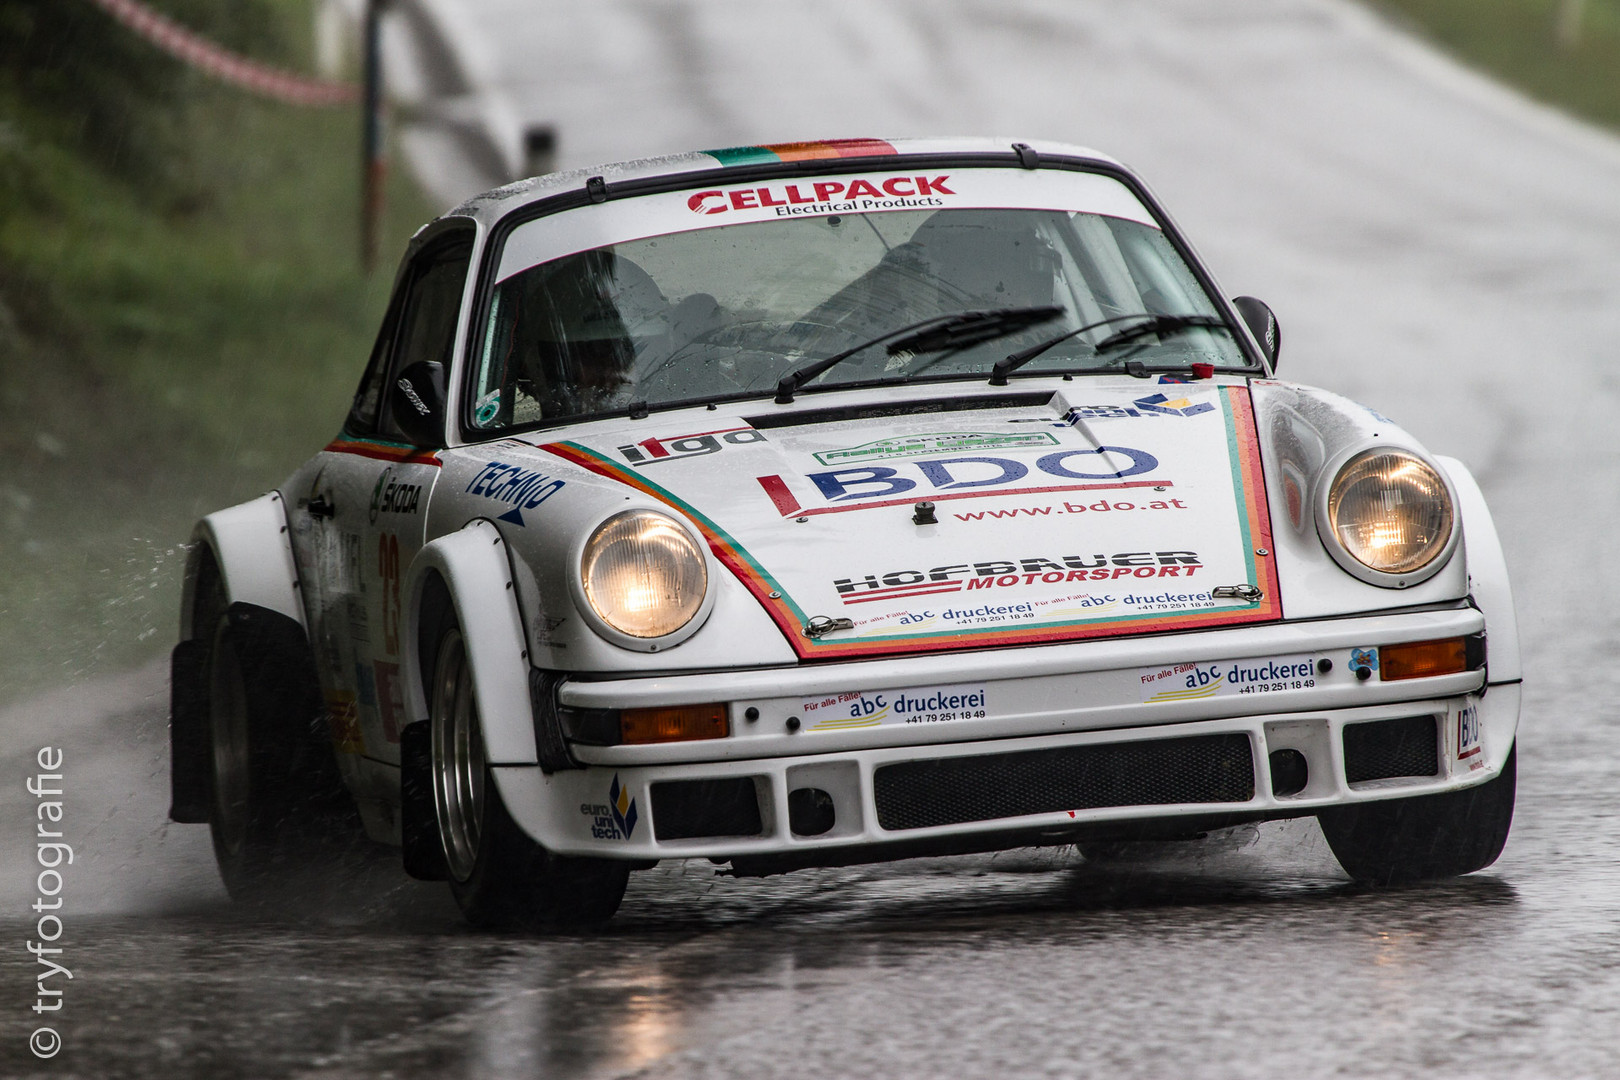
(1523, 43)
(182, 314)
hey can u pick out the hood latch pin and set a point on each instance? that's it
(1248, 593)
(821, 625)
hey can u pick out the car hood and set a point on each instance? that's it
(1110, 508)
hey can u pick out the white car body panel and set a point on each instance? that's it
(355, 559)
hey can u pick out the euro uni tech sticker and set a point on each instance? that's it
(616, 819)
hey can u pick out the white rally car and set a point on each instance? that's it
(822, 503)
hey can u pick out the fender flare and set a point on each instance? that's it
(475, 567)
(252, 548)
(1488, 580)
(252, 553)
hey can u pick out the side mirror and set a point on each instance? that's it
(1262, 324)
(417, 401)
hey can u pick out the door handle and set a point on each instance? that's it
(320, 506)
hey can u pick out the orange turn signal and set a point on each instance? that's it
(1420, 659)
(675, 724)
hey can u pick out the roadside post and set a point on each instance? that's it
(1571, 13)
(374, 165)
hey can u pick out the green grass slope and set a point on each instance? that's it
(1520, 42)
(182, 313)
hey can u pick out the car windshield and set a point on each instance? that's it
(727, 311)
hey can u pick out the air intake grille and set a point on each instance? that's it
(689, 809)
(1383, 749)
(949, 791)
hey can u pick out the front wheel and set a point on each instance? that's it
(1400, 841)
(500, 877)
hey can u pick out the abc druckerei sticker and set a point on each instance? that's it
(1224, 678)
(882, 708)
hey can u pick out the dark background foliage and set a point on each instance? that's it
(91, 84)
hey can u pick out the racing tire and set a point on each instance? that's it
(500, 877)
(1403, 841)
(280, 819)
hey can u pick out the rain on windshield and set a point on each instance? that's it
(726, 311)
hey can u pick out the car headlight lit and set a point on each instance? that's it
(1390, 511)
(643, 574)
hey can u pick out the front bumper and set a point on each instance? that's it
(1057, 743)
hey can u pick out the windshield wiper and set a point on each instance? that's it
(1160, 324)
(1152, 324)
(930, 335)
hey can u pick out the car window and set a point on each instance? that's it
(428, 316)
(728, 310)
(368, 398)
(429, 296)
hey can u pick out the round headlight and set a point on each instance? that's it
(643, 574)
(1390, 511)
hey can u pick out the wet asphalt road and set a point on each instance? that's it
(1434, 248)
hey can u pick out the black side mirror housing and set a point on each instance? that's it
(417, 401)
(1262, 324)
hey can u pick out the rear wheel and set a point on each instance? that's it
(498, 874)
(276, 808)
(241, 816)
(1432, 836)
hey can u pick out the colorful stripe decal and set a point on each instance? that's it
(802, 151)
(1249, 480)
(383, 450)
(1254, 517)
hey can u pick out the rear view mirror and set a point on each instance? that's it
(1262, 324)
(417, 401)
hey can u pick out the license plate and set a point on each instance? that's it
(1468, 744)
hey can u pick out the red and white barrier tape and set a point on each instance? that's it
(203, 54)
